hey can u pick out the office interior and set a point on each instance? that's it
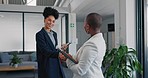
(124, 22)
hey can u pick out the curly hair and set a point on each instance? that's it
(50, 11)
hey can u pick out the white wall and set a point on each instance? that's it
(107, 21)
(108, 36)
(72, 33)
(81, 34)
(125, 23)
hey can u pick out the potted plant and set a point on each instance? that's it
(15, 60)
(121, 62)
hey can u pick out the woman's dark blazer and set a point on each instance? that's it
(49, 65)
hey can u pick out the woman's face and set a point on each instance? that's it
(49, 22)
(86, 27)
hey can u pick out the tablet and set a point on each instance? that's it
(65, 54)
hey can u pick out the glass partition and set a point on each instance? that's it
(10, 31)
(18, 30)
(32, 24)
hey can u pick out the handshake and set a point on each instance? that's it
(63, 55)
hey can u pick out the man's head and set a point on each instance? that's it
(50, 15)
(93, 23)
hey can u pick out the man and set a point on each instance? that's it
(91, 53)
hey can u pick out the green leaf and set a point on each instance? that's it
(131, 50)
(109, 57)
(121, 62)
(110, 71)
(138, 67)
(15, 59)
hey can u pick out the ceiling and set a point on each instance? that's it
(80, 7)
(37, 2)
(83, 7)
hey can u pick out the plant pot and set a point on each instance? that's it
(15, 65)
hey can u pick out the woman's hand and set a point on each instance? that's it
(65, 46)
(62, 57)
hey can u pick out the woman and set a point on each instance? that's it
(91, 53)
(49, 65)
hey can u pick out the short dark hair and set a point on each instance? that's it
(50, 11)
(94, 20)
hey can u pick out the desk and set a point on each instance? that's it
(19, 68)
(10, 68)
